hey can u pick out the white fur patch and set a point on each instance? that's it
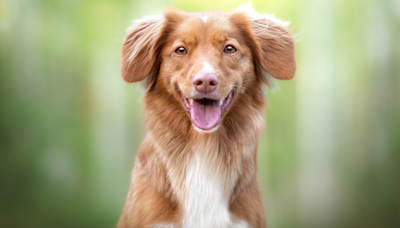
(207, 67)
(203, 17)
(205, 204)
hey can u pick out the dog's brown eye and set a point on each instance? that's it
(229, 49)
(181, 51)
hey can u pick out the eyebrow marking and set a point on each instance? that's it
(204, 17)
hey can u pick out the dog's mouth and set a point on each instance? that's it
(205, 112)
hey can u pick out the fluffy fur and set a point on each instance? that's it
(185, 176)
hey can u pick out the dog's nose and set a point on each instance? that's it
(205, 82)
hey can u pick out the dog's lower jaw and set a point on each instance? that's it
(206, 131)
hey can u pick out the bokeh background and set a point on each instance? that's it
(70, 127)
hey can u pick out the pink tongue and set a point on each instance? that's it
(205, 114)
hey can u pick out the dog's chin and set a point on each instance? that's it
(206, 113)
(205, 131)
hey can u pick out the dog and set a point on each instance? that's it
(204, 75)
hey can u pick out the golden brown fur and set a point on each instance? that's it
(158, 191)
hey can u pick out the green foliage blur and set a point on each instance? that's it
(70, 126)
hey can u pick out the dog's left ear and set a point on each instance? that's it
(140, 48)
(270, 41)
(276, 47)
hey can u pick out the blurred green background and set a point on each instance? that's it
(70, 126)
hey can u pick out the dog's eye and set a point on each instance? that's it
(181, 51)
(229, 49)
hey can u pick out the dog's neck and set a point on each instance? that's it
(206, 176)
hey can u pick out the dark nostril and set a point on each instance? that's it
(198, 82)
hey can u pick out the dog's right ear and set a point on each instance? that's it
(141, 47)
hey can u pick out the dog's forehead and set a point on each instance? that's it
(204, 16)
(215, 26)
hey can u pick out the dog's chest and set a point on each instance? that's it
(206, 199)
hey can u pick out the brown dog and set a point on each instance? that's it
(204, 107)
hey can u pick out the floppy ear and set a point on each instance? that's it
(140, 48)
(270, 41)
(276, 47)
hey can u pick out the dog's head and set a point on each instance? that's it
(207, 61)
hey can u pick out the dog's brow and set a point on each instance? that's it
(203, 17)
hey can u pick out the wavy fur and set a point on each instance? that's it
(183, 177)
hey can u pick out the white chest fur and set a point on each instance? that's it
(206, 205)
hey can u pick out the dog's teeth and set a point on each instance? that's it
(191, 101)
(221, 101)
